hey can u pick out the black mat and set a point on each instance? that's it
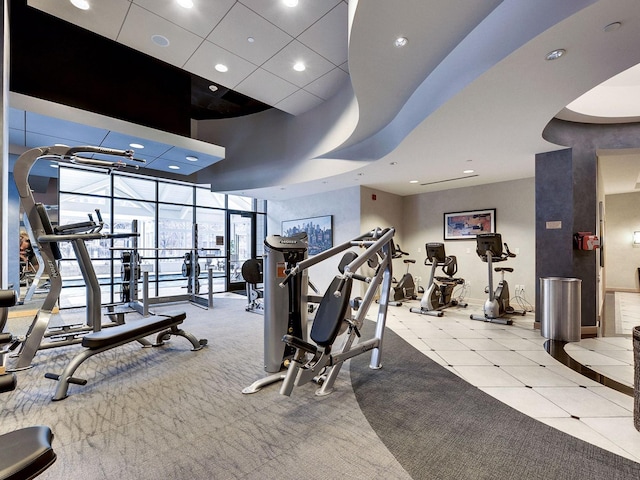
(440, 427)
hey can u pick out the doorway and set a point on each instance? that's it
(241, 246)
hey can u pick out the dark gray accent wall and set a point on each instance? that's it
(566, 191)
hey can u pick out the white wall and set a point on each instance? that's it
(343, 204)
(514, 201)
(621, 259)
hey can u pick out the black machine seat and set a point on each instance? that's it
(503, 269)
(26, 453)
(331, 312)
(252, 271)
(132, 330)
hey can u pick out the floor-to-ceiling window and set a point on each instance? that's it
(175, 227)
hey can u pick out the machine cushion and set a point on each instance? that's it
(8, 382)
(25, 453)
(8, 298)
(331, 312)
(132, 330)
(252, 271)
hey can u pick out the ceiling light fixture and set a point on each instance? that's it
(191, 158)
(221, 68)
(185, 3)
(160, 40)
(400, 42)
(299, 67)
(136, 145)
(251, 39)
(612, 27)
(393, 163)
(468, 171)
(213, 88)
(81, 4)
(555, 54)
(290, 3)
(174, 167)
(413, 181)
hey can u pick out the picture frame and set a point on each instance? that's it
(466, 225)
(319, 230)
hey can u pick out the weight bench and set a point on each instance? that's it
(97, 342)
(24, 453)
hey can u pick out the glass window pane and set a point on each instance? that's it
(175, 193)
(261, 231)
(83, 181)
(124, 213)
(131, 187)
(236, 202)
(175, 230)
(261, 206)
(207, 198)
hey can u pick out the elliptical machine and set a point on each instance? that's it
(439, 292)
(489, 249)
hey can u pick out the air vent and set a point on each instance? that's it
(449, 180)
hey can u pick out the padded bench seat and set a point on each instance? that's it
(134, 329)
(163, 325)
(26, 453)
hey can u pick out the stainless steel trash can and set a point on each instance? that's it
(560, 302)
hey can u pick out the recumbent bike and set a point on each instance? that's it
(439, 292)
(489, 249)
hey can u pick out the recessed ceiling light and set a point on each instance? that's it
(299, 67)
(393, 163)
(468, 171)
(174, 167)
(81, 4)
(290, 3)
(221, 68)
(185, 3)
(413, 181)
(160, 40)
(191, 158)
(136, 145)
(400, 42)
(612, 27)
(555, 54)
(251, 39)
(213, 88)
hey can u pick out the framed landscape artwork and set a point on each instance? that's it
(319, 230)
(466, 225)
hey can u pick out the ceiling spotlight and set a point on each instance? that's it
(174, 167)
(136, 145)
(160, 40)
(185, 3)
(213, 88)
(299, 67)
(251, 39)
(468, 171)
(290, 3)
(393, 163)
(81, 4)
(612, 27)
(191, 158)
(413, 181)
(221, 68)
(555, 54)
(400, 42)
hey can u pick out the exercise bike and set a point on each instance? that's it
(405, 289)
(439, 291)
(489, 249)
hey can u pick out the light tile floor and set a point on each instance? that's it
(509, 362)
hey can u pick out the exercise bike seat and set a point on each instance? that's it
(503, 269)
(409, 260)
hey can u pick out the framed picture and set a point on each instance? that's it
(466, 225)
(319, 230)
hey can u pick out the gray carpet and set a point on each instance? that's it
(440, 427)
(170, 413)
